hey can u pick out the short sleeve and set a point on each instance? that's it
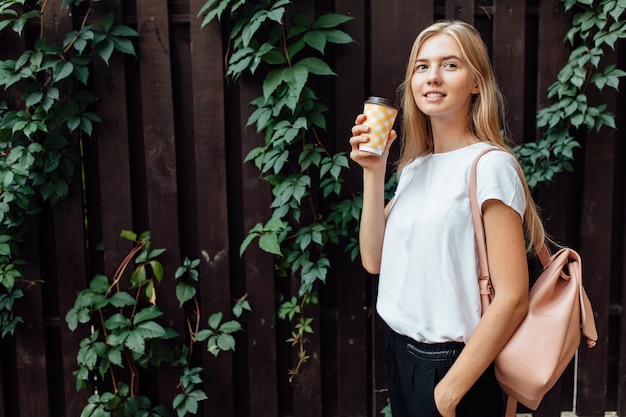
(497, 177)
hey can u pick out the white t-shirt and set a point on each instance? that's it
(428, 287)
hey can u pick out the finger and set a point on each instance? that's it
(355, 141)
(359, 129)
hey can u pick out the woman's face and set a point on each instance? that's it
(442, 84)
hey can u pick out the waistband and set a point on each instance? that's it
(433, 351)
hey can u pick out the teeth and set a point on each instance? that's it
(433, 95)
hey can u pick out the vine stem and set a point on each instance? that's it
(134, 380)
(122, 267)
(284, 42)
(82, 25)
(193, 331)
(41, 11)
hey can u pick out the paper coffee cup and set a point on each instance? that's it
(381, 114)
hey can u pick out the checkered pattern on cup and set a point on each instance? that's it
(380, 118)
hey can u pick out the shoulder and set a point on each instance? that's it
(498, 160)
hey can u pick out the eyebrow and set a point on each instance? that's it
(444, 58)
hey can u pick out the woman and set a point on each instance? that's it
(439, 349)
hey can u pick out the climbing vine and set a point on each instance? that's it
(127, 337)
(40, 134)
(288, 49)
(596, 27)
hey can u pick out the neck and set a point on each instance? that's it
(449, 137)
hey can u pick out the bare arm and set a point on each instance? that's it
(374, 213)
(509, 274)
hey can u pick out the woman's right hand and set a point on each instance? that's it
(368, 160)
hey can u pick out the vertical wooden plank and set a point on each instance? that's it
(69, 272)
(307, 392)
(30, 363)
(211, 194)
(460, 10)
(352, 281)
(160, 160)
(621, 178)
(27, 343)
(508, 60)
(70, 277)
(3, 375)
(111, 139)
(258, 268)
(597, 237)
(8, 386)
(558, 202)
(307, 385)
(390, 48)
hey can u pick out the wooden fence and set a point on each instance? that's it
(168, 157)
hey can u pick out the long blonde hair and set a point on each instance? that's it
(484, 115)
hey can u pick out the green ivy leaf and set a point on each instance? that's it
(315, 66)
(331, 20)
(231, 326)
(150, 330)
(184, 292)
(269, 243)
(117, 321)
(62, 70)
(146, 314)
(122, 299)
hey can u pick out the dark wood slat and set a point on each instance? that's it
(390, 47)
(307, 385)
(70, 278)
(351, 280)
(30, 360)
(70, 273)
(27, 354)
(3, 376)
(211, 194)
(461, 10)
(620, 113)
(160, 161)
(259, 270)
(8, 387)
(111, 138)
(508, 60)
(597, 237)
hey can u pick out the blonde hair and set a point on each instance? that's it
(484, 115)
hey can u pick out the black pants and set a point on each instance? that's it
(414, 369)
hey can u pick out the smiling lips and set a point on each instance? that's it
(434, 95)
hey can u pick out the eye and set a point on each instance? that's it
(450, 65)
(420, 67)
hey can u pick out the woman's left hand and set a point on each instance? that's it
(445, 403)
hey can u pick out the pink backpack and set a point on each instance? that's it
(549, 336)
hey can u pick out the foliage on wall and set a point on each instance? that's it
(127, 337)
(40, 134)
(288, 50)
(596, 27)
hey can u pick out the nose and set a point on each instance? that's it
(433, 76)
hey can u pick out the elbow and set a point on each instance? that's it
(519, 307)
(372, 267)
(515, 306)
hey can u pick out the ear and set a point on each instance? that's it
(475, 89)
